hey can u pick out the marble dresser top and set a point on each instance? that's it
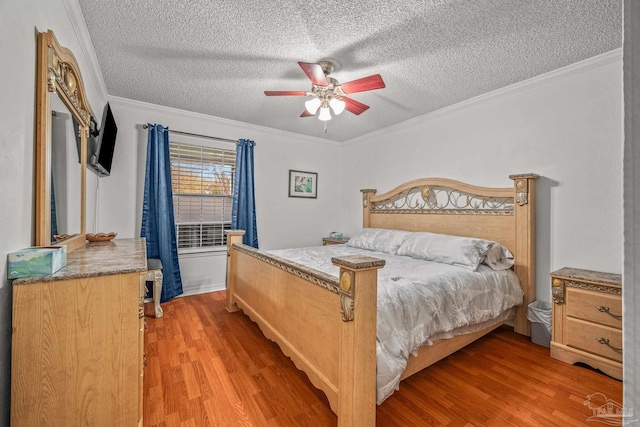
(118, 256)
(589, 276)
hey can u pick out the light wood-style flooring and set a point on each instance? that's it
(207, 367)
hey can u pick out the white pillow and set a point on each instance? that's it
(498, 257)
(379, 240)
(464, 252)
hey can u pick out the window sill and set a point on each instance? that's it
(217, 250)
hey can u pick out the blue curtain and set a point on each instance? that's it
(243, 211)
(158, 224)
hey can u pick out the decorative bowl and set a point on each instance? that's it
(101, 237)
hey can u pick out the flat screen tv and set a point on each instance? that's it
(101, 159)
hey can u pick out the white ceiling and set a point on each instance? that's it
(218, 57)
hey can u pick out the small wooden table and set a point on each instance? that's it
(333, 241)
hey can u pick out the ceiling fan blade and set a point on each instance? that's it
(285, 93)
(354, 106)
(314, 72)
(363, 84)
(305, 113)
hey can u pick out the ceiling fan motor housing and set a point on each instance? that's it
(332, 89)
(327, 67)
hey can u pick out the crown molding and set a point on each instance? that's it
(79, 25)
(558, 74)
(241, 126)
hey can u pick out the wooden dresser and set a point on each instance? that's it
(587, 319)
(78, 340)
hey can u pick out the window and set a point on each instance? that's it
(202, 181)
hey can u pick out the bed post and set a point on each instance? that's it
(525, 259)
(357, 372)
(233, 236)
(367, 194)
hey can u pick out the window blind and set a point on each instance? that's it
(202, 183)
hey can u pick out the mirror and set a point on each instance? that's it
(62, 129)
(65, 172)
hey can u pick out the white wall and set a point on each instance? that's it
(282, 221)
(565, 126)
(20, 20)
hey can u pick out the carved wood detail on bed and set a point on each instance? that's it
(291, 304)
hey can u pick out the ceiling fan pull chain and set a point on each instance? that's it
(325, 127)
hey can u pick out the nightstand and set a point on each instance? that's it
(332, 241)
(587, 319)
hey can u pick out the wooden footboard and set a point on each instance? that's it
(326, 326)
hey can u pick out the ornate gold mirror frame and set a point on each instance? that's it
(58, 72)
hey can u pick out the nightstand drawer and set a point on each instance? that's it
(594, 306)
(596, 339)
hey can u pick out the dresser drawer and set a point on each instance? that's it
(586, 336)
(595, 306)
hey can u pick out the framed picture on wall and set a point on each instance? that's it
(303, 184)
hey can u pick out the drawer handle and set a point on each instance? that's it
(605, 341)
(604, 309)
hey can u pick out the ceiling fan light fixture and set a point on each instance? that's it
(325, 114)
(312, 105)
(337, 105)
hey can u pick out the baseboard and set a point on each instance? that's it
(202, 289)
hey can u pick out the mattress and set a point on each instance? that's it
(419, 302)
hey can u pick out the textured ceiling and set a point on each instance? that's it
(217, 57)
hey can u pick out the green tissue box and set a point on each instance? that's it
(37, 261)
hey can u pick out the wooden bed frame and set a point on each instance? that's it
(327, 325)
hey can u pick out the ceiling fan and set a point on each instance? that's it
(328, 92)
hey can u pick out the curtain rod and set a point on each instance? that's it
(144, 126)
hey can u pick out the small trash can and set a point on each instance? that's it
(539, 314)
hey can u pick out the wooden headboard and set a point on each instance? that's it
(439, 205)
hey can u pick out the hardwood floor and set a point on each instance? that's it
(207, 367)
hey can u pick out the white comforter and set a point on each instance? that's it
(418, 300)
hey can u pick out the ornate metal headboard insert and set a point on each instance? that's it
(436, 199)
